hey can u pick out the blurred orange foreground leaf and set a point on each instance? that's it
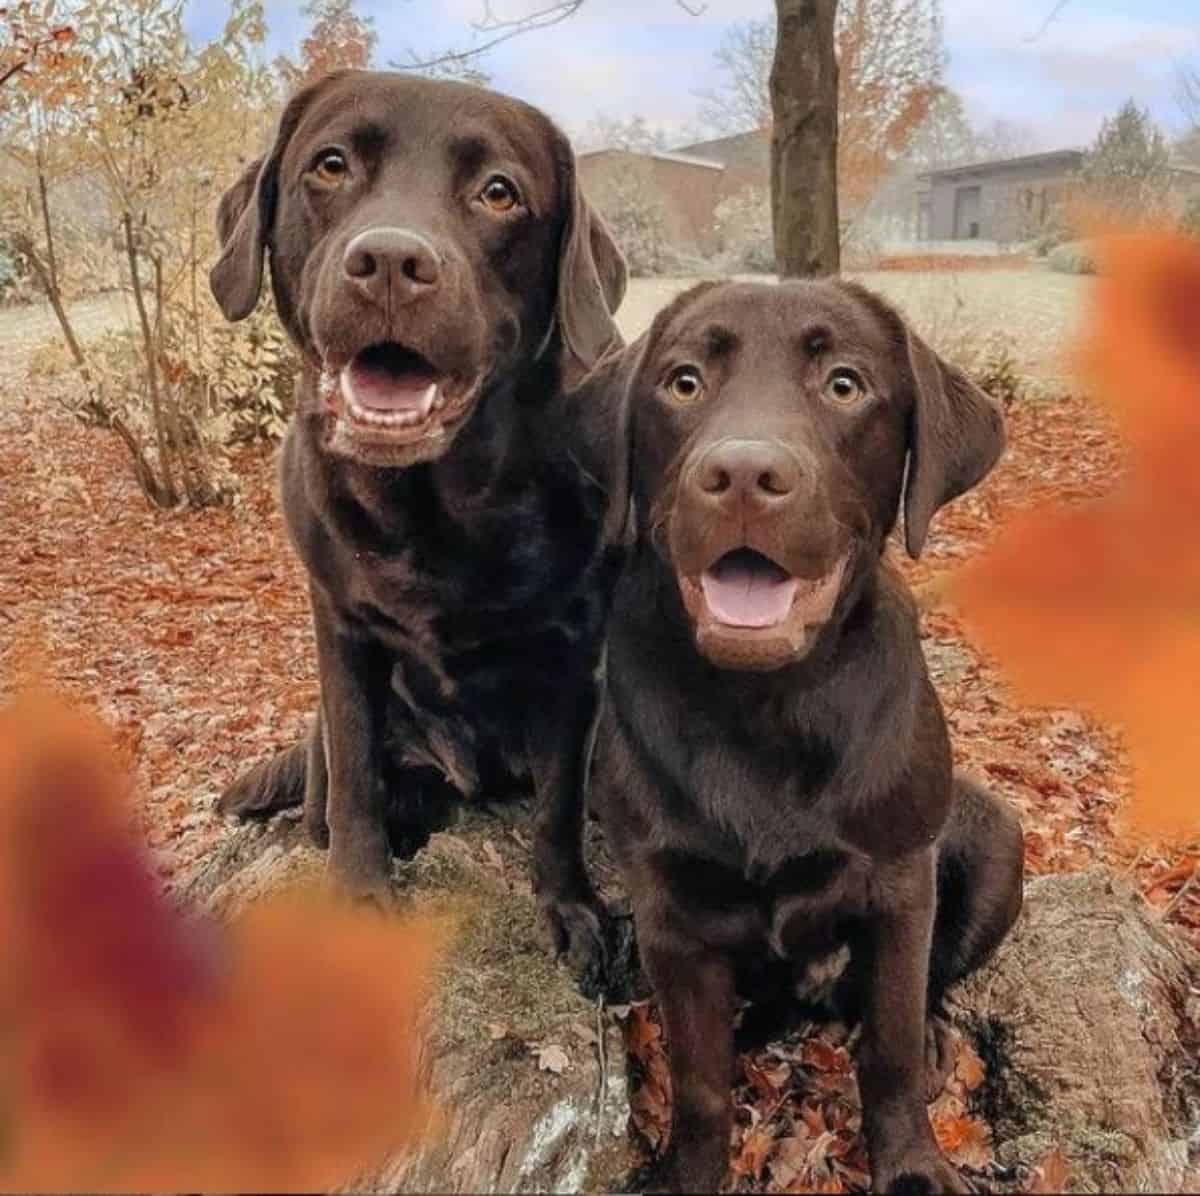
(143, 1050)
(1099, 604)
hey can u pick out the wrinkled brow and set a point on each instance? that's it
(718, 341)
(815, 339)
(470, 151)
(368, 138)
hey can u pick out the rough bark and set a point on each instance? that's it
(1086, 1021)
(804, 136)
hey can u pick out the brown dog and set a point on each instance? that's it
(773, 770)
(434, 261)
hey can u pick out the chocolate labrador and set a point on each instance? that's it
(773, 771)
(437, 267)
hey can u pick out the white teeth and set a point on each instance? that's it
(385, 419)
(430, 401)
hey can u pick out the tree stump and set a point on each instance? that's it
(1086, 1021)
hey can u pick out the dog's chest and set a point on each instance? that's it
(482, 626)
(797, 912)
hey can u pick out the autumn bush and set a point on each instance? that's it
(632, 205)
(121, 140)
(1073, 257)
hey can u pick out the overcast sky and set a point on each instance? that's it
(625, 57)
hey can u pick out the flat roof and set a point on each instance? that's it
(659, 155)
(1065, 156)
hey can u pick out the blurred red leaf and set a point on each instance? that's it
(150, 1051)
(1100, 604)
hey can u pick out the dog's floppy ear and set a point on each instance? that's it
(956, 436)
(246, 214)
(596, 428)
(591, 278)
(236, 279)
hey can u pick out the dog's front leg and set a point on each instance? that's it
(354, 673)
(560, 744)
(694, 985)
(893, 967)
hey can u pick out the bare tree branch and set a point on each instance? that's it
(505, 29)
(1187, 92)
(1050, 19)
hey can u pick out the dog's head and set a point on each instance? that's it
(425, 238)
(774, 433)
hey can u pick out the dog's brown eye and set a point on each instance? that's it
(844, 386)
(685, 384)
(500, 194)
(331, 167)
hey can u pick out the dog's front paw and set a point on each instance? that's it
(670, 1174)
(581, 936)
(924, 1173)
(361, 873)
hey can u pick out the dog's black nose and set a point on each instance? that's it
(392, 265)
(759, 472)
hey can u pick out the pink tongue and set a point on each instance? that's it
(741, 595)
(381, 389)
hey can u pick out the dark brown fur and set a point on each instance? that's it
(458, 582)
(773, 801)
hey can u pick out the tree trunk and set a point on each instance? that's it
(47, 223)
(804, 105)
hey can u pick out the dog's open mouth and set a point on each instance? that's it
(389, 392)
(751, 612)
(746, 589)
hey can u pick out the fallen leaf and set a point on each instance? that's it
(968, 1067)
(552, 1058)
(1053, 1173)
(767, 1081)
(965, 1139)
(493, 856)
(819, 1055)
(643, 1035)
(752, 1157)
